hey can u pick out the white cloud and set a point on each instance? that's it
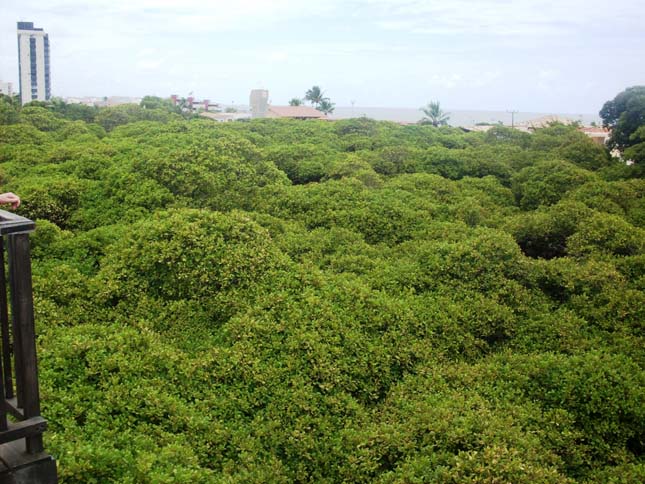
(547, 79)
(166, 16)
(150, 64)
(278, 56)
(502, 17)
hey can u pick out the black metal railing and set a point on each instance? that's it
(18, 366)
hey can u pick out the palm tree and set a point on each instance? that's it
(314, 95)
(326, 106)
(435, 115)
(296, 101)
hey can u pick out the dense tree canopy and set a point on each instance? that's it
(624, 115)
(349, 301)
(636, 152)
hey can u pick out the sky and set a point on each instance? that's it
(566, 56)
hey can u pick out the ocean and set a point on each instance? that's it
(457, 117)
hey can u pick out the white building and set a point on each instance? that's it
(6, 88)
(33, 63)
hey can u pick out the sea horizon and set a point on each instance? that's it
(458, 117)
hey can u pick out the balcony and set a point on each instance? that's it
(22, 457)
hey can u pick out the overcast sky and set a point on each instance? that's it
(565, 56)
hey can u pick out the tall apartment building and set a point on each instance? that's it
(33, 63)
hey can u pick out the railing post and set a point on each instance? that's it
(22, 308)
(6, 385)
(22, 458)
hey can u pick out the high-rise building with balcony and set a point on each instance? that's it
(33, 63)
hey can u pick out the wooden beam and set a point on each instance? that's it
(31, 427)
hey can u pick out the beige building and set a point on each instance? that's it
(597, 134)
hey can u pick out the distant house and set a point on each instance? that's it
(525, 126)
(294, 112)
(543, 122)
(482, 128)
(597, 134)
(224, 117)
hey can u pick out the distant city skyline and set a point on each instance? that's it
(532, 55)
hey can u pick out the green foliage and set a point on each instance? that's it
(585, 153)
(302, 163)
(624, 114)
(347, 301)
(154, 102)
(22, 134)
(607, 233)
(41, 118)
(110, 118)
(51, 199)
(73, 112)
(505, 135)
(547, 182)
(210, 174)
(326, 106)
(9, 110)
(544, 233)
(603, 391)
(316, 97)
(358, 126)
(188, 254)
(636, 152)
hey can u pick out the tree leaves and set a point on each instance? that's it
(356, 301)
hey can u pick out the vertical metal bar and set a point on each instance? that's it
(22, 306)
(15, 329)
(5, 347)
(4, 324)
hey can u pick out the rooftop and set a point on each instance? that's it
(27, 26)
(295, 112)
(594, 130)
